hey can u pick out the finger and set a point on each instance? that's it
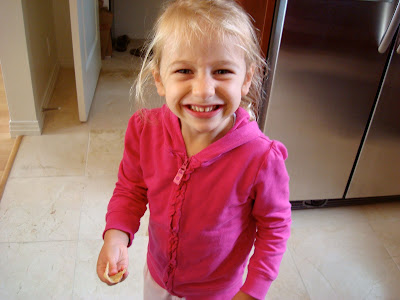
(100, 274)
(122, 267)
(102, 269)
(113, 268)
(101, 264)
(125, 276)
(101, 277)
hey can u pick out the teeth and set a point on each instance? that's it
(203, 109)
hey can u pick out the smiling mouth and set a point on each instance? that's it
(203, 108)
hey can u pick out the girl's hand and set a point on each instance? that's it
(243, 296)
(114, 251)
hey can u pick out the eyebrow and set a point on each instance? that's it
(217, 63)
(179, 62)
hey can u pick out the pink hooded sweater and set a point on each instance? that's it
(206, 211)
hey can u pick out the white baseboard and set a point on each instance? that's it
(35, 127)
(25, 128)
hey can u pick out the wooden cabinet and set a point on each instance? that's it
(262, 12)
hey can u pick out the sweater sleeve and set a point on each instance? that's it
(272, 212)
(129, 200)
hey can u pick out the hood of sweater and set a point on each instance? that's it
(242, 132)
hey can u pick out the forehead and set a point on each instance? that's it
(201, 48)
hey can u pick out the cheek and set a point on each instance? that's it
(172, 98)
(176, 92)
(172, 106)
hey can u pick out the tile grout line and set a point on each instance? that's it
(77, 241)
(48, 241)
(87, 153)
(379, 238)
(392, 258)
(398, 265)
(80, 215)
(298, 272)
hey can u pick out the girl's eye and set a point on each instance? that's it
(220, 72)
(184, 71)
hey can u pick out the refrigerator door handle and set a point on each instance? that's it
(391, 30)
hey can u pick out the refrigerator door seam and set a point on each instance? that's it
(371, 116)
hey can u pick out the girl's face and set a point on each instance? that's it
(203, 84)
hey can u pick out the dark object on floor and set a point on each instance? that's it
(106, 20)
(140, 52)
(122, 43)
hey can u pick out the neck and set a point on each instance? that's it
(195, 144)
(196, 141)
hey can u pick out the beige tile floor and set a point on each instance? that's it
(52, 214)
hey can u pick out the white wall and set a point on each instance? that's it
(135, 18)
(16, 69)
(42, 50)
(31, 53)
(29, 61)
(62, 28)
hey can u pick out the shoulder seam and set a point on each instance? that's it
(264, 161)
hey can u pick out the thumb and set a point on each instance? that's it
(112, 268)
(114, 278)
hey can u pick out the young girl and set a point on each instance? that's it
(215, 185)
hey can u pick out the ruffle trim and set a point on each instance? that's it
(175, 214)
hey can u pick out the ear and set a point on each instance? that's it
(247, 80)
(158, 82)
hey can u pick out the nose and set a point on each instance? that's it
(203, 86)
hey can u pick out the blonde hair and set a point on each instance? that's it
(186, 19)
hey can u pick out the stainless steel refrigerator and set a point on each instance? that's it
(333, 97)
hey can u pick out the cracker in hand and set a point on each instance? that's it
(115, 278)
